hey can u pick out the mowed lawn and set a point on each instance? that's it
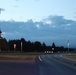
(17, 57)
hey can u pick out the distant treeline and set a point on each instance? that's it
(19, 45)
(36, 46)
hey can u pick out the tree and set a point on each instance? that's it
(53, 47)
(37, 45)
(4, 44)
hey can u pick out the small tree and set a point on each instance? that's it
(53, 47)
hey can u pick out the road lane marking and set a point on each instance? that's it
(39, 58)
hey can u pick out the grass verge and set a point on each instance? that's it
(18, 57)
(71, 57)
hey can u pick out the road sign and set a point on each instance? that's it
(14, 46)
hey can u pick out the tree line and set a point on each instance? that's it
(21, 45)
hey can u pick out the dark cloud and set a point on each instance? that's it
(1, 9)
(75, 13)
(60, 29)
(16, 6)
(37, 0)
(16, 0)
(59, 21)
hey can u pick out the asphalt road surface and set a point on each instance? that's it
(44, 65)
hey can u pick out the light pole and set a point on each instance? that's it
(21, 46)
(68, 46)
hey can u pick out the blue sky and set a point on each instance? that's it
(22, 10)
(39, 20)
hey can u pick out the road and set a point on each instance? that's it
(53, 64)
(56, 65)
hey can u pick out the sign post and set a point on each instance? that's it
(14, 47)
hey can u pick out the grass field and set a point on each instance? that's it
(71, 56)
(17, 57)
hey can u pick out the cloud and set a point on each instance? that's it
(16, 6)
(6, 33)
(37, 0)
(16, 0)
(1, 9)
(38, 26)
(58, 21)
(50, 29)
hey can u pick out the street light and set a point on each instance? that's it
(68, 45)
(21, 46)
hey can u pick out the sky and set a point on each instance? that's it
(22, 10)
(39, 20)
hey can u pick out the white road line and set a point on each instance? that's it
(39, 58)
